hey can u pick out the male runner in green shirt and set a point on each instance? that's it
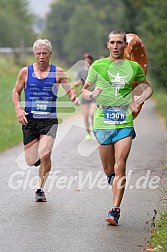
(113, 119)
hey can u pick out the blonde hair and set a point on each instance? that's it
(42, 42)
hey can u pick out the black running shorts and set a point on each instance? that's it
(37, 127)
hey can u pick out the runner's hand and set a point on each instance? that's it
(96, 92)
(21, 116)
(75, 100)
(139, 99)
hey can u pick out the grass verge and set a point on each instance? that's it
(158, 241)
(160, 97)
(9, 128)
(158, 238)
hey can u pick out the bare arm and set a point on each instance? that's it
(16, 95)
(79, 82)
(90, 94)
(62, 78)
(147, 92)
(139, 94)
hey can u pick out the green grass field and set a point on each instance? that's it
(160, 97)
(9, 127)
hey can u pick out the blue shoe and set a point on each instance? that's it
(110, 179)
(113, 216)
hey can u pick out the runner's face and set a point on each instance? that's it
(116, 46)
(42, 55)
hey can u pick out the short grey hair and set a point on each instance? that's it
(42, 42)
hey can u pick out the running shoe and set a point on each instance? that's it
(40, 196)
(113, 216)
(110, 179)
(37, 163)
(88, 136)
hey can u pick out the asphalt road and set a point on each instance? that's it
(73, 219)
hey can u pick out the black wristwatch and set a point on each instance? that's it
(83, 81)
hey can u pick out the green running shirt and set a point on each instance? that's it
(116, 80)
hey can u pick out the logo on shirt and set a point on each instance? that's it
(117, 81)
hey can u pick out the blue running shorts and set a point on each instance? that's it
(110, 136)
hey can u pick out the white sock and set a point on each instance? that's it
(39, 188)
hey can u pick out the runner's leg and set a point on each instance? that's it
(107, 154)
(85, 111)
(92, 107)
(31, 152)
(45, 148)
(122, 149)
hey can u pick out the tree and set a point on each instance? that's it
(153, 29)
(76, 26)
(16, 23)
(82, 31)
(57, 24)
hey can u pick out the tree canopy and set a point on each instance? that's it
(16, 23)
(78, 26)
